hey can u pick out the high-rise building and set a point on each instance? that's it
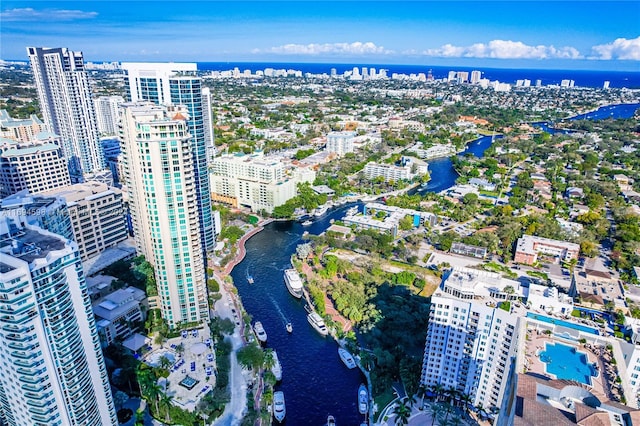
(175, 84)
(36, 166)
(159, 172)
(67, 106)
(340, 142)
(20, 129)
(470, 345)
(53, 372)
(107, 114)
(475, 76)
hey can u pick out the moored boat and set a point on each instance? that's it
(317, 323)
(363, 399)
(260, 333)
(279, 409)
(277, 367)
(294, 282)
(347, 358)
(321, 211)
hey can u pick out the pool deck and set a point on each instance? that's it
(599, 385)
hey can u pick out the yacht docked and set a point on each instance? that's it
(317, 322)
(321, 211)
(277, 367)
(294, 282)
(363, 399)
(347, 358)
(260, 333)
(279, 409)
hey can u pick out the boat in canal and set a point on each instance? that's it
(321, 211)
(363, 399)
(260, 333)
(307, 222)
(347, 358)
(279, 408)
(289, 327)
(277, 367)
(294, 282)
(331, 421)
(317, 323)
(250, 279)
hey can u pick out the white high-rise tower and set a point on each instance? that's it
(67, 106)
(160, 175)
(53, 372)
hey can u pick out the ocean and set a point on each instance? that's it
(582, 78)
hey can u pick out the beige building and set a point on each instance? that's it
(20, 129)
(255, 181)
(97, 216)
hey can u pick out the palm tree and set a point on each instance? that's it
(455, 421)
(467, 402)
(421, 393)
(435, 410)
(452, 394)
(438, 390)
(166, 401)
(153, 392)
(482, 412)
(402, 410)
(165, 362)
(268, 361)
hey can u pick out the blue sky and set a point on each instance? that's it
(541, 34)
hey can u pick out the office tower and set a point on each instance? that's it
(97, 216)
(475, 76)
(107, 114)
(53, 372)
(469, 345)
(160, 175)
(159, 83)
(36, 166)
(67, 106)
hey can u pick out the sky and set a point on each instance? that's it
(516, 34)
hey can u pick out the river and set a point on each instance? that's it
(315, 382)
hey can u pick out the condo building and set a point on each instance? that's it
(53, 372)
(160, 176)
(177, 85)
(67, 106)
(410, 168)
(470, 343)
(255, 181)
(107, 114)
(340, 142)
(529, 248)
(35, 166)
(97, 216)
(20, 129)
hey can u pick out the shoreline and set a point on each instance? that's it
(240, 244)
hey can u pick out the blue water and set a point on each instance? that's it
(582, 78)
(620, 111)
(563, 323)
(315, 382)
(565, 362)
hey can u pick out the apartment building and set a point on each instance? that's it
(340, 142)
(529, 248)
(20, 129)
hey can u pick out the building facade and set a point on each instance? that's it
(20, 129)
(38, 165)
(107, 114)
(53, 372)
(97, 216)
(177, 85)
(470, 345)
(340, 142)
(255, 181)
(529, 247)
(160, 178)
(117, 313)
(67, 106)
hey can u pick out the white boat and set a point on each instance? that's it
(307, 222)
(363, 399)
(347, 358)
(294, 282)
(279, 409)
(277, 367)
(289, 327)
(250, 279)
(321, 211)
(352, 211)
(331, 421)
(317, 322)
(260, 333)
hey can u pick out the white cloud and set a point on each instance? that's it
(621, 48)
(30, 14)
(504, 49)
(355, 48)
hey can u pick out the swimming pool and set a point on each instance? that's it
(563, 323)
(154, 359)
(566, 362)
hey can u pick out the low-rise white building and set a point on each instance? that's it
(529, 247)
(340, 142)
(548, 299)
(117, 313)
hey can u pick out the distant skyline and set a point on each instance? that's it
(511, 34)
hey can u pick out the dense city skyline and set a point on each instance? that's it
(561, 35)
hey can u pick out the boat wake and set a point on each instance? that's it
(282, 316)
